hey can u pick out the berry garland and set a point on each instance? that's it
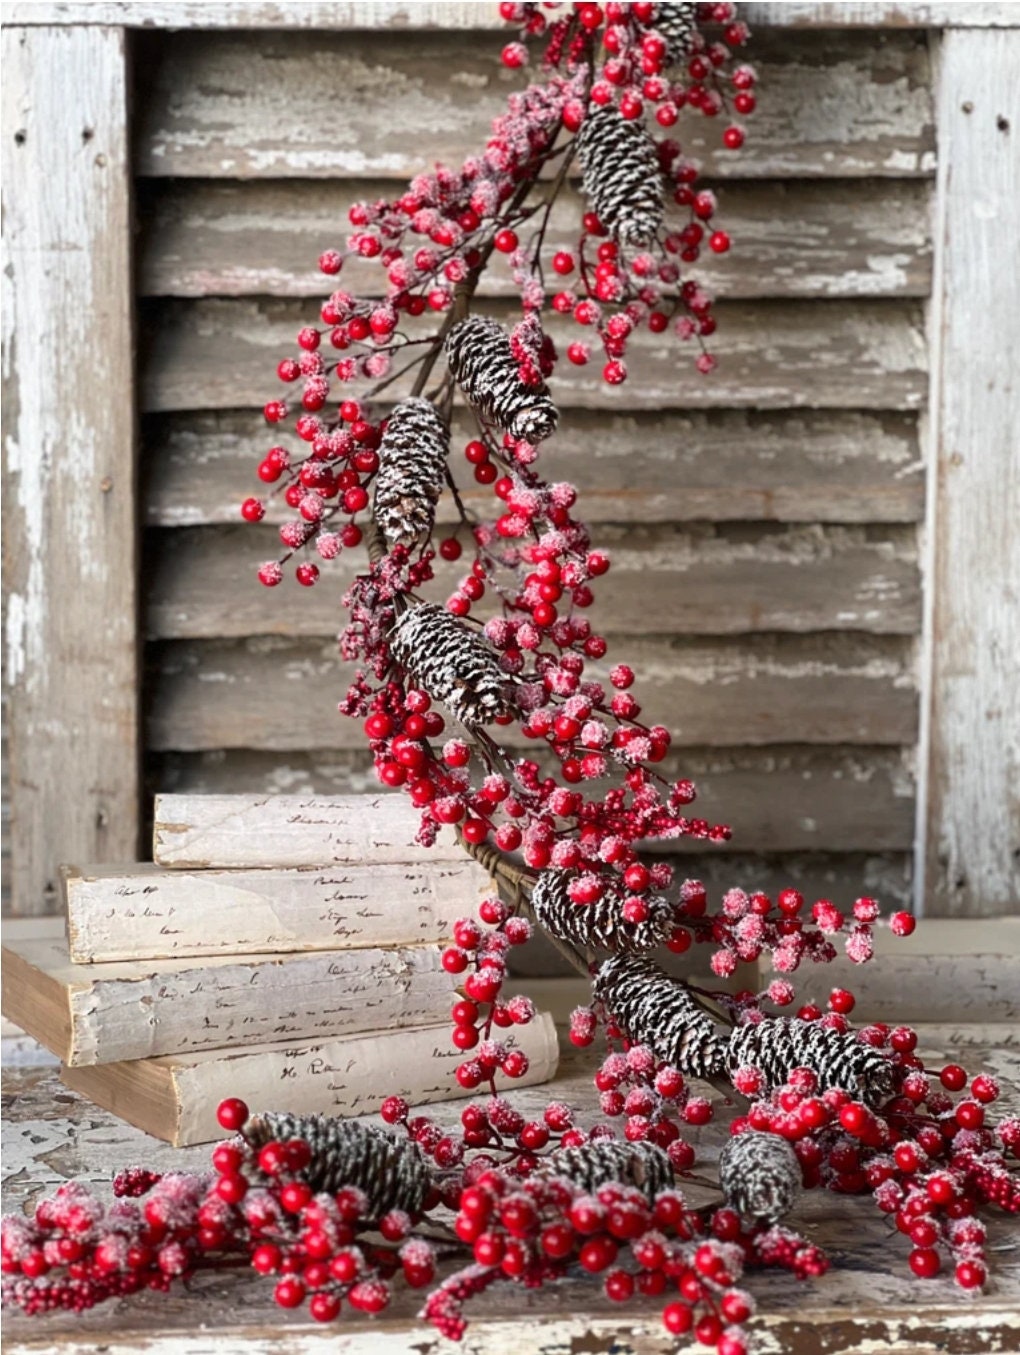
(306, 1199)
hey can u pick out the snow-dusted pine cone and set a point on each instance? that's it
(591, 1165)
(479, 355)
(760, 1175)
(412, 459)
(839, 1061)
(600, 924)
(653, 1009)
(622, 178)
(453, 663)
(678, 25)
(390, 1172)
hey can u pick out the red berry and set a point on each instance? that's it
(970, 1274)
(506, 241)
(289, 1293)
(925, 1262)
(232, 1114)
(733, 138)
(953, 1077)
(677, 1318)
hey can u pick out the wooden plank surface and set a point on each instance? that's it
(779, 799)
(717, 580)
(827, 688)
(71, 661)
(838, 105)
(204, 237)
(222, 354)
(971, 823)
(470, 14)
(868, 1304)
(711, 465)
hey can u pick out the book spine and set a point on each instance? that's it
(150, 914)
(199, 831)
(352, 1076)
(303, 997)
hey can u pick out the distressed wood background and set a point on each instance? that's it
(767, 523)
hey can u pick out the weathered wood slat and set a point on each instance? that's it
(768, 689)
(971, 824)
(714, 465)
(215, 238)
(69, 510)
(841, 105)
(222, 354)
(469, 14)
(704, 580)
(777, 800)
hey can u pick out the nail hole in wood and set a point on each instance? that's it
(20, 137)
(87, 133)
(967, 107)
(1002, 123)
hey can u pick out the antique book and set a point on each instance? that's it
(145, 912)
(175, 1097)
(135, 1009)
(199, 831)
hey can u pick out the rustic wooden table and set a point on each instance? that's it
(867, 1304)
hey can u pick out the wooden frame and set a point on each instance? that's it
(73, 686)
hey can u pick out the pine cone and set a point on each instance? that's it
(412, 459)
(591, 1165)
(452, 662)
(653, 1009)
(597, 924)
(760, 1176)
(391, 1172)
(839, 1061)
(479, 356)
(622, 178)
(678, 25)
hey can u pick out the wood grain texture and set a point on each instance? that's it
(203, 237)
(970, 832)
(222, 354)
(132, 1010)
(69, 512)
(143, 912)
(469, 14)
(779, 799)
(827, 688)
(868, 1304)
(707, 579)
(670, 466)
(837, 106)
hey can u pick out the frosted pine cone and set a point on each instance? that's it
(678, 25)
(391, 1173)
(599, 924)
(453, 663)
(760, 1176)
(412, 459)
(479, 355)
(653, 1009)
(591, 1165)
(622, 178)
(839, 1061)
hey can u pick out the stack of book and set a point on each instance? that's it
(282, 949)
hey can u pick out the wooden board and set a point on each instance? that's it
(827, 688)
(222, 354)
(710, 465)
(790, 239)
(197, 832)
(71, 668)
(971, 826)
(201, 582)
(131, 1010)
(468, 14)
(867, 1305)
(142, 912)
(844, 105)
(777, 800)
